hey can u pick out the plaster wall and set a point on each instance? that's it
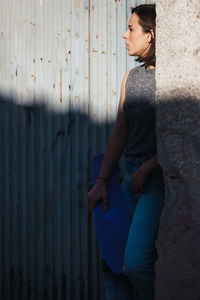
(178, 132)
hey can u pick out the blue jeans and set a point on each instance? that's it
(137, 280)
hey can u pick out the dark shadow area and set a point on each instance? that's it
(178, 136)
(48, 244)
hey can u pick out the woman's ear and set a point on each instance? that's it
(151, 34)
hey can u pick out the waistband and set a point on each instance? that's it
(138, 159)
(136, 162)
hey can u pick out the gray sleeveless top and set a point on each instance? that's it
(139, 109)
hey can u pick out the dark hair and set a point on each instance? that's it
(147, 20)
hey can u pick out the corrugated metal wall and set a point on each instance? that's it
(62, 63)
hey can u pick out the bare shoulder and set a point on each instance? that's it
(125, 78)
(123, 90)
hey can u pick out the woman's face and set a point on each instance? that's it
(138, 42)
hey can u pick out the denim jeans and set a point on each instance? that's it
(137, 280)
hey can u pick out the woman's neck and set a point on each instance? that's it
(150, 67)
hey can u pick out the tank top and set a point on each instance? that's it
(140, 111)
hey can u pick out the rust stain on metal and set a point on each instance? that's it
(77, 4)
(34, 60)
(76, 98)
(89, 8)
(61, 85)
(113, 93)
(34, 77)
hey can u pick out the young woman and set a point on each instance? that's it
(134, 134)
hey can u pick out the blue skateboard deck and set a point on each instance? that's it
(112, 225)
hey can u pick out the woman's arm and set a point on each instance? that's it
(150, 164)
(139, 177)
(117, 137)
(113, 151)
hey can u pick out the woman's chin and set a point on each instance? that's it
(131, 53)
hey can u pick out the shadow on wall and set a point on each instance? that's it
(48, 243)
(178, 135)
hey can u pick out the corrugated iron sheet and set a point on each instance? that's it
(62, 63)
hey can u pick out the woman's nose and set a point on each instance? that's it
(125, 35)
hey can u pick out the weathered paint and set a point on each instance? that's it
(62, 63)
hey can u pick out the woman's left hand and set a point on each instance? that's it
(138, 179)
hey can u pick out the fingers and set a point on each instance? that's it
(105, 202)
(135, 188)
(93, 203)
(91, 206)
(98, 193)
(137, 183)
(138, 188)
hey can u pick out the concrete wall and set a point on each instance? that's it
(178, 129)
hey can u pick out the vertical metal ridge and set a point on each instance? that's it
(5, 199)
(83, 153)
(14, 195)
(76, 148)
(93, 102)
(39, 117)
(1, 204)
(57, 133)
(69, 123)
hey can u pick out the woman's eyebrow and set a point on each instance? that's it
(130, 26)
